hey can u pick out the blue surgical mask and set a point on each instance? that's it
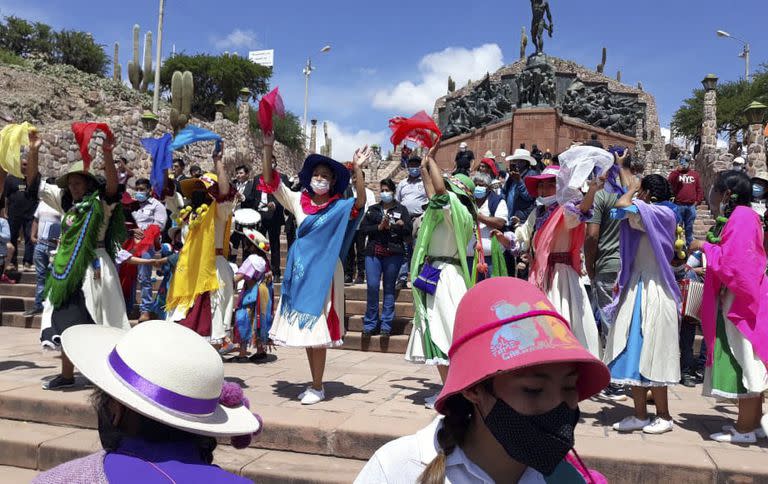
(141, 196)
(386, 197)
(414, 172)
(481, 192)
(758, 191)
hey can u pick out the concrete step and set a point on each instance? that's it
(32, 446)
(399, 325)
(17, 319)
(402, 310)
(393, 344)
(16, 475)
(18, 290)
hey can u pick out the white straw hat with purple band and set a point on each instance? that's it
(163, 371)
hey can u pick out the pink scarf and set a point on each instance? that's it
(543, 241)
(738, 262)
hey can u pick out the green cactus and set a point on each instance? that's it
(148, 74)
(134, 68)
(117, 69)
(182, 91)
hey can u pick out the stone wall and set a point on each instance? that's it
(52, 97)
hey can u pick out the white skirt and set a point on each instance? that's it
(570, 299)
(222, 303)
(441, 315)
(284, 333)
(103, 297)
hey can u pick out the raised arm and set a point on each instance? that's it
(221, 170)
(436, 177)
(266, 158)
(359, 159)
(626, 200)
(110, 170)
(589, 199)
(33, 166)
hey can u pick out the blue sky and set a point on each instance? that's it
(392, 58)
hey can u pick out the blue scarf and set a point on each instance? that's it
(312, 261)
(246, 321)
(193, 134)
(162, 158)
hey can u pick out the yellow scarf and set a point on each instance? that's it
(12, 138)
(196, 270)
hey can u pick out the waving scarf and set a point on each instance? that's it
(463, 226)
(84, 133)
(271, 104)
(660, 224)
(162, 159)
(193, 134)
(77, 249)
(738, 263)
(196, 269)
(420, 128)
(543, 241)
(312, 261)
(12, 138)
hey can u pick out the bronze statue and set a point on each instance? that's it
(523, 43)
(540, 8)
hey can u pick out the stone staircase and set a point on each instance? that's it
(704, 221)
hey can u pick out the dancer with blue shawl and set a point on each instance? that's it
(642, 347)
(310, 313)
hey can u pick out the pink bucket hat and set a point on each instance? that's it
(532, 182)
(505, 324)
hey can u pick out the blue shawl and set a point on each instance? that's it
(162, 159)
(660, 225)
(321, 241)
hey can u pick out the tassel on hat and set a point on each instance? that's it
(232, 396)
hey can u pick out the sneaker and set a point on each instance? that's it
(313, 396)
(630, 424)
(33, 311)
(59, 382)
(429, 402)
(614, 393)
(385, 334)
(367, 334)
(659, 426)
(227, 349)
(6, 280)
(304, 393)
(29, 267)
(759, 432)
(688, 380)
(734, 437)
(401, 284)
(359, 280)
(347, 280)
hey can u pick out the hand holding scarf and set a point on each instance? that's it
(12, 138)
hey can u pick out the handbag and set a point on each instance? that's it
(692, 294)
(427, 279)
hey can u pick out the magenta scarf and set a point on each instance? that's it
(738, 262)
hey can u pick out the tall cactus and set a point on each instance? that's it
(182, 91)
(134, 68)
(147, 73)
(601, 66)
(117, 69)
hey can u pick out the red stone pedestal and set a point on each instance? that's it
(544, 127)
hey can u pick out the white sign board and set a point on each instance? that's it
(265, 58)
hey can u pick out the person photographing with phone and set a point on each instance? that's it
(387, 224)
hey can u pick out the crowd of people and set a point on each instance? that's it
(572, 274)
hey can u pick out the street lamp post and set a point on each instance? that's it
(307, 71)
(156, 94)
(744, 53)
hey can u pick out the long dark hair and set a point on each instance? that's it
(458, 416)
(738, 183)
(147, 429)
(657, 187)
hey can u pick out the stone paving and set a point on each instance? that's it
(375, 397)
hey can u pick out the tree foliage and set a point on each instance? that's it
(733, 97)
(287, 130)
(35, 39)
(216, 78)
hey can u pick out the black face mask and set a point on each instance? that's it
(538, 441)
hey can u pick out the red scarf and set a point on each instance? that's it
(84, 133)
(127, 271)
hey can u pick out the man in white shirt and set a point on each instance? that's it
(46, 229)
(491, 215)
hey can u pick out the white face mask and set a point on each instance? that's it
(546, 201)
(320, 187)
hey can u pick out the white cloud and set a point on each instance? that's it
(345, 142)
(460, 63)
(681, 142)
(236, 39)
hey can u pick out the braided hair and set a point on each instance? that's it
(657, 187)
(458, 415)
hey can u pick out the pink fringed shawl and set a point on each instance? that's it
(738, 262)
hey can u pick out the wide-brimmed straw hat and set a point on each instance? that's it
(180, 384)
(532, 182)
(206, 182)
(522, 154)
(76, 168)
(504, 324)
